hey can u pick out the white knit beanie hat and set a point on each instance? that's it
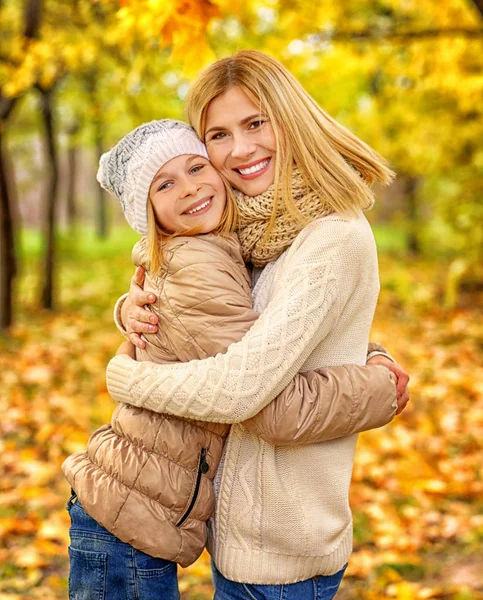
(128, 170)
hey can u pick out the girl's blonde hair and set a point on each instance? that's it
(334, 163)
(158, 236)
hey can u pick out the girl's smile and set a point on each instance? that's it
(241, 142)
(187, 192)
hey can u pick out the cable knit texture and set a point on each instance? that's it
(254, 221)
(282, 513)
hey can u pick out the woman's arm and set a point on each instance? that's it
(204, 305)
(233, 387)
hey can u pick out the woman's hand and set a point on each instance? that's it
(135, 318)
(127, 348)
(402, 379)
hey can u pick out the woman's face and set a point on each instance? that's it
(188, 192)
(241, 142)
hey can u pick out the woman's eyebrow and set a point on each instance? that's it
(255, 116)
(242, 122)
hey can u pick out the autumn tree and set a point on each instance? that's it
(14, 44)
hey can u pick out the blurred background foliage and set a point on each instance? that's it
(407, 77)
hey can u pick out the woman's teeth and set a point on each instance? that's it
(255, 168)
(195, 210)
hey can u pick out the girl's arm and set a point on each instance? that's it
(326, 404)
(233, 387)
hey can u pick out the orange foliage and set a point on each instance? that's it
(417, 486)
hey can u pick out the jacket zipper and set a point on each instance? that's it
(203, 467)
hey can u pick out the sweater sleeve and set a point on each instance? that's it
(203, 307)
(233, 387)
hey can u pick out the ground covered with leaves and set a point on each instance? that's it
(417, 491)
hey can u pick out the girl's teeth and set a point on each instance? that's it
(255, 168)
(195, 210)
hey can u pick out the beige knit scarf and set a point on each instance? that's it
(254, 219)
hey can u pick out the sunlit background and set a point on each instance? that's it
(404, 75)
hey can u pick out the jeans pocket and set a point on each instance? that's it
(153, 584)
(155, 577)
(87, 576)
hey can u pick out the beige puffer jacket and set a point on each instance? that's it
(147, 477)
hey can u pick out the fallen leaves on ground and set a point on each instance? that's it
(417, 488)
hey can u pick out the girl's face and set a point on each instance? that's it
(241, 142)
(187, 192)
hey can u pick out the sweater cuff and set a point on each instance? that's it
(117, 315)
(118, 377)
(379, 353)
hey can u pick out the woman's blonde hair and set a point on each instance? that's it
(334, 163)
(158, 237)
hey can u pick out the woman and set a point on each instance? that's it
(142, 490)
(282, 517)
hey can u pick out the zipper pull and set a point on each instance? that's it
(204, 466)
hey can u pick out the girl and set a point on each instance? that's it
(282, 523)
(142, 490)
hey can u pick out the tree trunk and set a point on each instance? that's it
(101, 196)
(479, 5)
(48, 287)
(8, 264)
(410, 190)
(72, 158)
(91, 87)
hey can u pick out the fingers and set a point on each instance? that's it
(138, 277)
(141, 320)
(402, 402)
(402, 383)
(136, 340)
(140, 298)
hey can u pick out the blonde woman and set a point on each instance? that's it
(282, 525)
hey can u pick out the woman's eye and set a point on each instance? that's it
(256, 124)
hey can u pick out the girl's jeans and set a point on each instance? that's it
(104, 568)
(317, 588)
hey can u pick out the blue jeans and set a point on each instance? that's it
(318, 588)
(104, 568)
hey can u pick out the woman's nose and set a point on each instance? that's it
(242, 147)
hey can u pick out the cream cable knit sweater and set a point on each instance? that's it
(282, 513)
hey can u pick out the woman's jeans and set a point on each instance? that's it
(104, 568)
(317, 588)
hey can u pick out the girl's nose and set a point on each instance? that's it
(189, 188)
(242, 147)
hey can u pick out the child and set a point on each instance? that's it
(142, 491)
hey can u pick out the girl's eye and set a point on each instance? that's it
(164, 186)
(217, 136)
(196, 168)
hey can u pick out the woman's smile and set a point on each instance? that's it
(254, 169)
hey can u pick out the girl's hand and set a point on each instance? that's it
(127, 348)
(402, 379)
(135, 318)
